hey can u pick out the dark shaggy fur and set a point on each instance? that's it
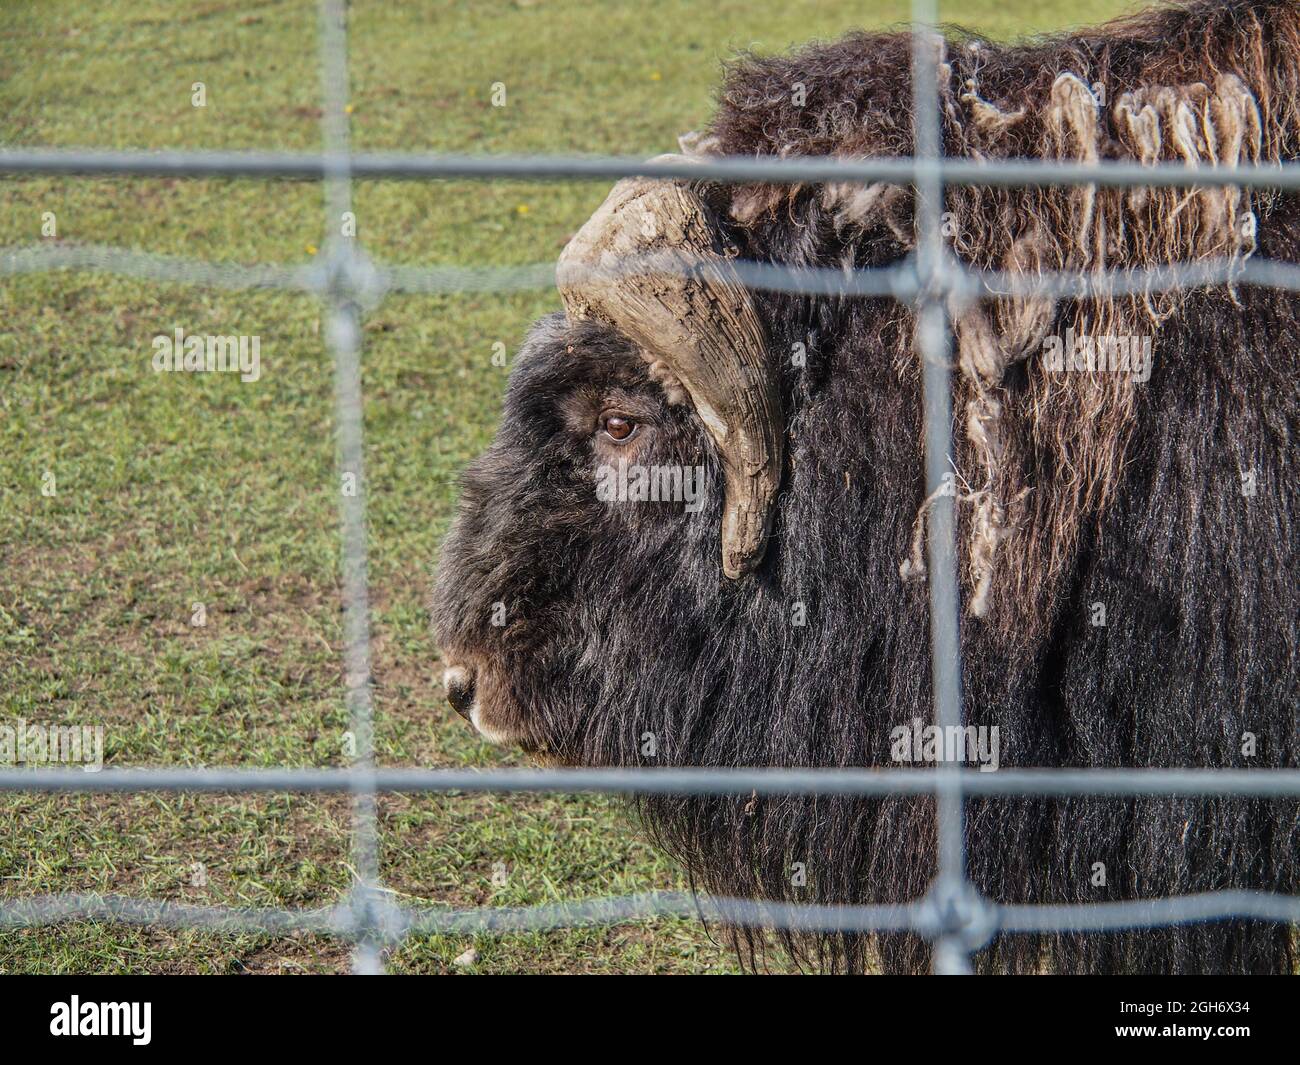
(620, 622)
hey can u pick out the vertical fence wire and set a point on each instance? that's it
(933, 348)
(343, 333)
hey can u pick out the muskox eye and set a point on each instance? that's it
(617, 427)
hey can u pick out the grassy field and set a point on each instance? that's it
(128, 497)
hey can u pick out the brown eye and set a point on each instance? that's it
(617, 427)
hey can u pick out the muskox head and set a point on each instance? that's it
(634, 473)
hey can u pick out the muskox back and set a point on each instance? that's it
(1140, 606)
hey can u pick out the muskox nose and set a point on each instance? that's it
(459, 683)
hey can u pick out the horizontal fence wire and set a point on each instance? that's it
(309, 166)
(952, 916)
(901, 281)
(1118, 783)
(391, 921)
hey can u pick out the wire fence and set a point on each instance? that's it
(952, 916)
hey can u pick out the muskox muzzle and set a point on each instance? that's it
(460, 685)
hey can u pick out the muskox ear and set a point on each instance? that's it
(653, 263)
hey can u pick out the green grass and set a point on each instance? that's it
(173, 490)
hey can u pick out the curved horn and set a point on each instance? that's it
(687, 306)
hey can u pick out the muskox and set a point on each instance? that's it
(1126, 508)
